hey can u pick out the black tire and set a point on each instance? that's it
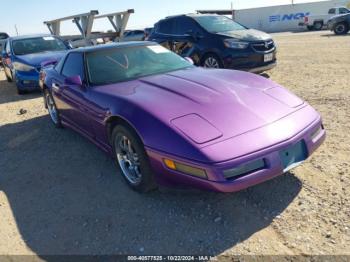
(146, 181)
(19, 91)
(310, 27)
(47, 95)
(205, 61)
(318, 26)
(341, 28)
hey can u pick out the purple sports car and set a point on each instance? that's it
(169, 123)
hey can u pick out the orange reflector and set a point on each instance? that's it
(170, 164)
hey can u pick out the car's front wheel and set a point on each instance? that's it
(318, 26)
(132, 160)
(212, 61)
(341, 29)
(51, 107)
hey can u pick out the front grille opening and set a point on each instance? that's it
(245, 169)
(264, 46)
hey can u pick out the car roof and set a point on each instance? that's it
(22, 37)
(189, 15)
(111, 46)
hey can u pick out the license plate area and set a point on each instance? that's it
(293, 156)
(268, 57)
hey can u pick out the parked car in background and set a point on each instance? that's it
(133, 35)
(23, 55)
(216, 41)
(318, 22)
(168, 122)
(340, 24)
(3, 38)
(148, 32)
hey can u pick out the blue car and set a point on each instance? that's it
(23, 56)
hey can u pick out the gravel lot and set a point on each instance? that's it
(59, 194)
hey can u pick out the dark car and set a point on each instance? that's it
(340, 24)
(216, 41)
(23, 56)
(133, 35)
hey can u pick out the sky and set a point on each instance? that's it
(28, 15)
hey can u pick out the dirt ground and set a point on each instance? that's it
(59, 194)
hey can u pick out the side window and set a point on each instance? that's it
(74, 65)
(343, 11)
(166, 27)
(184, 25)
(331, 11)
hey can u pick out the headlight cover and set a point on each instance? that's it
(22, 67)
(235, 44)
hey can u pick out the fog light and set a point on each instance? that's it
(186, 169)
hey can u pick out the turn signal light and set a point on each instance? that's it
(186, 169)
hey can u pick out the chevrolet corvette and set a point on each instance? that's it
(167, 122)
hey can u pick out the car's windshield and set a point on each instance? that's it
(215, 24)
(37, 45)
(127, 63)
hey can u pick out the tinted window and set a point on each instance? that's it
(184, 25)
(127, 63)
(343, 11)
(3, 36)
(331, 11)
(74, 65)
(166, 26)
(37, 45)
(218, 23)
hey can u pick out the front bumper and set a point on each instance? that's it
(27, 81)
(249, 60)
(215, 171)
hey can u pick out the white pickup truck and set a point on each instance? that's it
(317, 22)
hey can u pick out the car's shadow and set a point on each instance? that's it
(67, 198)
(334, 35)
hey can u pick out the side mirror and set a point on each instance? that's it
(189, 59)
(73, 80)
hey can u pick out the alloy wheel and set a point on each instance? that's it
(51, 108)
(211, 62)
(128, 160)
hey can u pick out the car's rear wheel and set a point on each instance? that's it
(51, 107)
(212, 61)
(341, 29)
(318, 26)
(132, 160)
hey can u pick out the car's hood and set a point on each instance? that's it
(338, 17)
(38, 58)
(247, 35)
(207, 104)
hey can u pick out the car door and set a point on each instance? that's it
(71, 98)
(186, 38)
